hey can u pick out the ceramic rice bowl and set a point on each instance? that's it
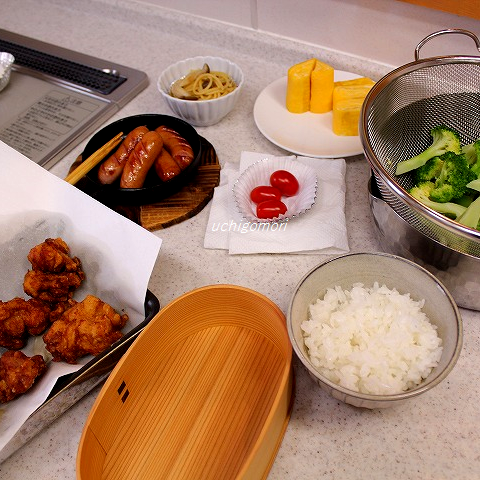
(395, 272)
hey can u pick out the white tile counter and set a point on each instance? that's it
(436, 436)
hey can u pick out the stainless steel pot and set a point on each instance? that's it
(395, 123)
(459, 272)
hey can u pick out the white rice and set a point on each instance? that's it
(371, 340)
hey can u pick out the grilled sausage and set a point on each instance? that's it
(165, 166)
(112, 167)
(141, 160)
(177, 146)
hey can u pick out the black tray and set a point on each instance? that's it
(69, 389)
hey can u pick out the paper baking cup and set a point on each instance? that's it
(259, 174)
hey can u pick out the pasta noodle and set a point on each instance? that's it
(212, 85)
(203, 85)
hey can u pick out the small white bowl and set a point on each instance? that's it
(201, 113)
(6, 62)
(259, 174)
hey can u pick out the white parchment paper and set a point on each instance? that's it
(117, 256)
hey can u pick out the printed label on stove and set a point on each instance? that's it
(46, 122)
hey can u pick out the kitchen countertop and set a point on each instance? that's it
(435, 436)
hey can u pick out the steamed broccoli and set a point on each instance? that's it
(422, 193)
(471, 216)
(467, 199)
(444, 139)
(474, 185)
(451, 183)
(472, 154)
(428, 172)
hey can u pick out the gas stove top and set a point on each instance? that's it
(57, 97)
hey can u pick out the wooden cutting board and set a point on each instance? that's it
(179, 207)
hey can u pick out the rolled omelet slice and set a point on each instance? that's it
(354, 82)
(322, 83)
(299, 86)
(350, 92)
(347, 104)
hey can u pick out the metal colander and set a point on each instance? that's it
(395, 124)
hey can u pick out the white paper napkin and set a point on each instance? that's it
(321, 230)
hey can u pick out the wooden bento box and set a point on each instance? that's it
(205, 392)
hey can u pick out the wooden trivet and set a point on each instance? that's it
(184, 204)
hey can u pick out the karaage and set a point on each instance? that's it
(20, 318)
(53, 256)
(18, 373)
(89, 327)
(57, 309)
(55, 275)
(52, 287)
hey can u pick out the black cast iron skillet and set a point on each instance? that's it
(154, 189)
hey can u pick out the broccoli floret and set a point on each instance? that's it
(473, 189)
(471, 216)
(444, 139)
(472, 154)
(452, 181)
(428, 172)
(422, 193)
(467, 199)
(474, 185)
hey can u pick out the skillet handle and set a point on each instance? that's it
(444, 32)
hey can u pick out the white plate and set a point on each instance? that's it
(308, 134)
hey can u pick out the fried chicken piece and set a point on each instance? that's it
(52, 287)
(53, 256)
(55, 275)
(18, 373)
(20, 318)
(57, 309)
(89, 327)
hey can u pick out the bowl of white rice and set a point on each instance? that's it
(374, 329)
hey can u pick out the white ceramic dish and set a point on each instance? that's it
(259, 174)
(201, 113)
(308, 134)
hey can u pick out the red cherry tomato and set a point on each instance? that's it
(265, 192)
(285, 182)
(271, 209)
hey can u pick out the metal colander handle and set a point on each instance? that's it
(445, 32)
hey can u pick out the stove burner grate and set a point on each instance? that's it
(85, 76)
